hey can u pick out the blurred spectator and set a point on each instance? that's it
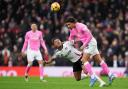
(126, 63)
(6, 55)
(121, 61)
(115, 61)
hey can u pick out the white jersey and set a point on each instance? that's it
(69, 52)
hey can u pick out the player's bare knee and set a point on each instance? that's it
(30, 63)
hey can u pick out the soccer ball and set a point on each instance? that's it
(55, 6)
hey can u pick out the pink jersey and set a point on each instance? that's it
(81, 33)
(33, 40)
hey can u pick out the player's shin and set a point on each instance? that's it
(41, 69)
(27, 69)
(88, 68)
(105, 68)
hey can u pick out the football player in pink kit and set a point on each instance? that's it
(80, 32)
(33, 40)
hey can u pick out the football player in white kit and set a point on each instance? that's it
(66, 49)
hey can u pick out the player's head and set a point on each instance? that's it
(70, 22)
(56, 43)
(33, 27)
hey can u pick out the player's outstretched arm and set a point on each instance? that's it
(50, 60)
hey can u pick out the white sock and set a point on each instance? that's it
(99, 79)
(93, 76)
(110, 73)
(41, 78)
(40, 66)
(83, 76)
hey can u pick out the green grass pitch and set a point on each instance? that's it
(57, 83)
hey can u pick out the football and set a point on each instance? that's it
(55, 7)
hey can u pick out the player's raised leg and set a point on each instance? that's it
(27, 70)
(88, 68)
(105, 68)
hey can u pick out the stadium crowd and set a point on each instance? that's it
(107, 19)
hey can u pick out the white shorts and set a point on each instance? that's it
(34, 55)
(91, 48)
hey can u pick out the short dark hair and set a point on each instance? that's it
(53, 39)
(70, 19)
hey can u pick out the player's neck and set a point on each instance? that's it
(60, 48)
(34, 30)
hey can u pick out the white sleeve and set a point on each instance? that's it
(71, 42)
(55, 55)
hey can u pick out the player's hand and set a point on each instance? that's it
(45, 52)
(81, 48)
(46, 56)
(47, 62)
(23, 54)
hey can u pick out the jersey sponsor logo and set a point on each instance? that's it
(35, 38)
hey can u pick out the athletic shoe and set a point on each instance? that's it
(111, 78)
(42, 80)
(26, 78)
(102, 84)
(92, 81)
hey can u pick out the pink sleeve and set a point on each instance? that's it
(72, 36)
(43, 43)
(87, 36)
(25, 43)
